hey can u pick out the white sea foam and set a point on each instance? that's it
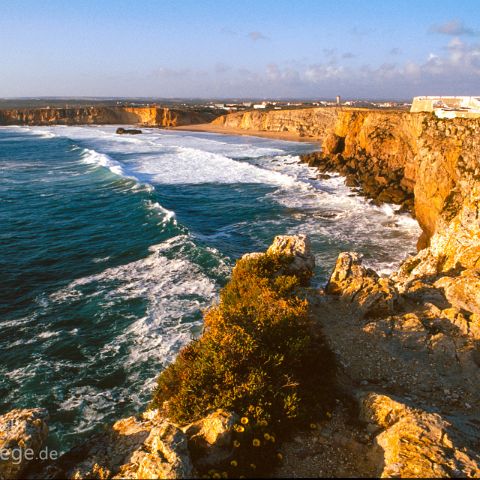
(167, 215)
(171, 158)
(192, 166)
(100, 259)
(174, 288)
(325, 207)
(93, 157)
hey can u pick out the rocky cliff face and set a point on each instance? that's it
(146, 116)
(394, 157)
(408, 345)
(306, 122)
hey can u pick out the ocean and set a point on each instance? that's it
(111, 246)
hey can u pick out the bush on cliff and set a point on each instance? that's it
(258, 356)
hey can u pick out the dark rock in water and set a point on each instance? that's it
(128, 131)
(324, 176)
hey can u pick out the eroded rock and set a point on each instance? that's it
(372, 295)
(147, 447)
(417, 443)
(462, 291)
(23, 434)
(210, 439)
(128, 131)
(297, 246)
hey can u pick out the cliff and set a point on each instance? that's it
(393, 156)
(407, 346)
(146, 116)
(306, 122)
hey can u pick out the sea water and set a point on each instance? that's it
(111, 246)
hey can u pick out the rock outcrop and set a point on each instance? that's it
(142, 448)
(417, 443)
(128, 131)
(147, 446)
(370, 294)
(210, 439)
(23, 434)
(299, 248)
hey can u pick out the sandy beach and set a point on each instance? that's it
(208, 127)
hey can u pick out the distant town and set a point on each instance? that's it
(442, 106)
(228, 105)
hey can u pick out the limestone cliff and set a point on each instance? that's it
(393, 155)
(306, 122)
(408, 345)
(147, 116)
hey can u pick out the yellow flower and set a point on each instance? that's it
(244, 420)
(329, 415)
(253, 466)
(313, 426)
(279, 456)
(272, 438)
(216, 475)
(266, 436)
(256, 442)
(233, 463)
(263, 423)
(239, 428)
(236, 443)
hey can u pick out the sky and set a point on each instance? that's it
(239, 48)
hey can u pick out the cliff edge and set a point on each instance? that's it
(97, 115)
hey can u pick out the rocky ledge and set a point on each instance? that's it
(406, 392)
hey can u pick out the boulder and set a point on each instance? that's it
(372, 295)
(128, 131)
(210, 439)
(417, 443)
(298, 247)
(462, 291)
(135, 447)
(164, 454)
(333, 144)
(23, 434)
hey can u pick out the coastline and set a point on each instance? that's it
(211, 128)
(406, 343)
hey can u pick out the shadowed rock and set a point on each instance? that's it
(128, 131)
(372, 295)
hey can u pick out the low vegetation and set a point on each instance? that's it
(259, 356)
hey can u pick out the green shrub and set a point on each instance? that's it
(259, 355)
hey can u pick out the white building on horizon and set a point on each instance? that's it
(448, 107)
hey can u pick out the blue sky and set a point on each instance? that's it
(242, 48)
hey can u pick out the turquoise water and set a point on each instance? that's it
(111, 246)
